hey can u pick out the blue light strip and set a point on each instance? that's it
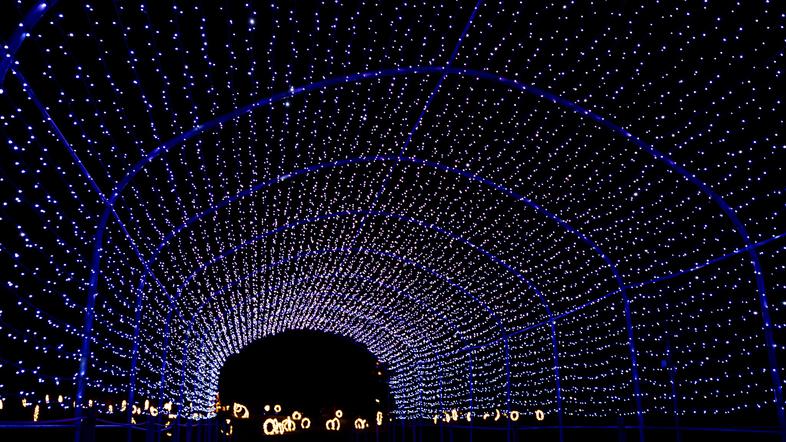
(748, 247)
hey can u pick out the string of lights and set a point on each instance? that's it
(516, 206)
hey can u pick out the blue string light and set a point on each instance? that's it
(517, 206)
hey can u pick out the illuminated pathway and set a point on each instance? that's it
(546, 218)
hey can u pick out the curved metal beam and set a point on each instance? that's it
(657, 155)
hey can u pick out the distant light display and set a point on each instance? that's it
(547, 209)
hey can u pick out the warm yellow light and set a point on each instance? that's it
(454, 414)
(153, 411)
(288, 425)
(240, 411)
(469, 417)
(168, 406)
(1, 404)
(24, 403)
(539, 415)
(35, 413)
(305, 423)
(273, 426)
(333, 424)
(277, 408)
(514, 415)
(60, 399)
(46, 399)
(296, 415)
(360, 424)
(270, 426)
(339, 414)
(436, 418)
(379, 417)
(267, 407)
(111, 409)
(147, 404)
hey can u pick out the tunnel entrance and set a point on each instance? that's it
(307, 385)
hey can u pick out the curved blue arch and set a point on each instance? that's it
(445, 319)
(447, 70)
(353, 314)
(374, 281)
(427, 163)
(35, 14)
(500, 326)
(390, 215)
(350, 314)
(386, 286)
(295, 257)
(412, 220)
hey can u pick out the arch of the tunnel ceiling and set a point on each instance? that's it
(200, 329)
(428, 335)
(456, 171)
(225, 253)
(456, 330)
(465, 345)
(340, 275)
(412, 220)
(36, 12)
(367, 319)
(728, 212)
(461, 173)
(361, 250)
(228, 252)
(351, 313)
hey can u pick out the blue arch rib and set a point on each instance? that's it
(457, 171)
(132, 370)
(777, 388)
(426, 163)
(355, 315)
(394, 256)
(396, 289)
(298, 256)
(34, 15)
(339, 275)
(369, 320)
(431, 226)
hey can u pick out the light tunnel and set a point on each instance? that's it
(553, 210)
